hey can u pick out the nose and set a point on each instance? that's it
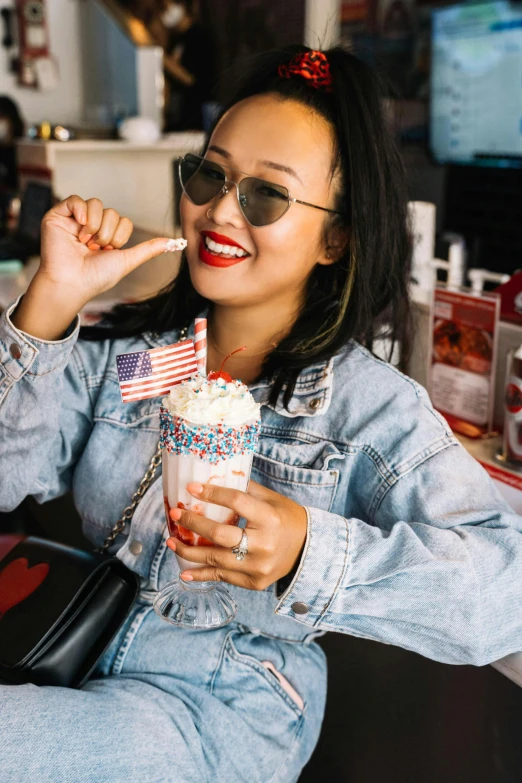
(225, 206)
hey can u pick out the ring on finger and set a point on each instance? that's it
(242, 548)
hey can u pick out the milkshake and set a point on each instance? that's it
(209, 429)
(209, 432)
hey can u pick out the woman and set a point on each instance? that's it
(366, 517)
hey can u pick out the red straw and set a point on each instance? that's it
(200, 344)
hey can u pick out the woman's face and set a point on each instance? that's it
(257, 136)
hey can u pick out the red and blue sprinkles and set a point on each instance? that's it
(212, 443)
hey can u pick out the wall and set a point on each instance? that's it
(65, 103)
(108, 61)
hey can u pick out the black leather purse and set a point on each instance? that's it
(61, 607)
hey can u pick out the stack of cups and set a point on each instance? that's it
(422, 221)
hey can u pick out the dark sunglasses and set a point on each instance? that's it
(261, 202)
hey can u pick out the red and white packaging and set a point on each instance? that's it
(463, 357)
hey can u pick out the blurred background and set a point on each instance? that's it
(75, 75)
(99, 97)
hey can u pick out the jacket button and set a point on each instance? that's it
(135, 547)
(314, 404)
(299, 608)
(15, 351)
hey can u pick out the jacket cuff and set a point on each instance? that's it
(321, 570)
(20, 351)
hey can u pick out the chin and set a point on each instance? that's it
(208, 285)
(217, 284)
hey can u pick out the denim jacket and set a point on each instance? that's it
(408, 542)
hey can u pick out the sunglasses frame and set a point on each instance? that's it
(224, 189)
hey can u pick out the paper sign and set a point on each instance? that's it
(463, 356)
(47, 74)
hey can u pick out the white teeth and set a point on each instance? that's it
(229, 250)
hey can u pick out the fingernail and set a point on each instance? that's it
(187, 577)
(171, 544)
(173, 245)
(195, 489)
(175, 514)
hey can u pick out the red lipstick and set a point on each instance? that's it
(221, 239)
(211, 259)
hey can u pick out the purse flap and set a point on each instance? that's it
(41, 582)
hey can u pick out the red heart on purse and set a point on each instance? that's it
(18, 582)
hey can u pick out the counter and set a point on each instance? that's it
(135, 179)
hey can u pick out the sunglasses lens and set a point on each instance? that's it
(200, 179)
(261, 202)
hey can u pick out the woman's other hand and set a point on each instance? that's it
(82, 256)
(276, 529)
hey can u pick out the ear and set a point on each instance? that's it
(338, 239)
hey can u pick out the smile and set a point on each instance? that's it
(218, 250)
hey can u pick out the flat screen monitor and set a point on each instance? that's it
(476, 84)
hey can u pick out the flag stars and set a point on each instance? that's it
(145, 374)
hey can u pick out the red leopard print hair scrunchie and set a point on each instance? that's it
(312, 66)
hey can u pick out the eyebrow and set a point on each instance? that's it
(270, 164)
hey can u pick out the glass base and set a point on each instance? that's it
(198, 605)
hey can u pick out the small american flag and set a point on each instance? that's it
(144, 374)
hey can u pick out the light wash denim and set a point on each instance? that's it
(409, 543)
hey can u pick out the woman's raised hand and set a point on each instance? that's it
(276, 529)
(81, 257)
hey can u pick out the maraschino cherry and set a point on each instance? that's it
(213, 376)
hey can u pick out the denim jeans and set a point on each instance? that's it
(169, 705)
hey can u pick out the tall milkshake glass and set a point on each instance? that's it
(209, 433)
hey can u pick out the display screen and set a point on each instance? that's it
(476, 84)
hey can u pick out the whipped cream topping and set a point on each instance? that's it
(201, 401)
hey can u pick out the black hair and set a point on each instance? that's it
(9, 109)
(365, 293)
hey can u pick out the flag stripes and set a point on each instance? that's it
(153, 373)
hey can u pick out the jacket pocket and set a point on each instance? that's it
(309, 486)
(142, 414)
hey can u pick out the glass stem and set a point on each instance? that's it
(197, 585)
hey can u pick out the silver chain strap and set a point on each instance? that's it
(146, 481)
